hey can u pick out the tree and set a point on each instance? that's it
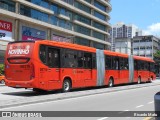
(157, 57)
(157, 61)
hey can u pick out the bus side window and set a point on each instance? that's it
(126, 67)
(146, 66)
(42, 53)
(70, 59)
(88, 60)
(121, 63)
(108, 60)
(142, 65)
(135, 65)
(94, 64)
(80, 59)
(115, 63)
(53, 58)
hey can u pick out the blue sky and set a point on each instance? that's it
(143, 13)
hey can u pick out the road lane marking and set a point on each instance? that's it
(103, 118)
(150, 102)
(123, 111)
(139, 106)
(147, 118)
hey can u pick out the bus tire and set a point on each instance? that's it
(151, 80)
(66, 85)
(139, 80)
(111, 82)
(2, 82)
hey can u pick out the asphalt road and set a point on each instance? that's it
(137, 99)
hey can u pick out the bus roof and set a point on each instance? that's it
(107, 52)
(67, 45)
(143, 58)
(83, 48)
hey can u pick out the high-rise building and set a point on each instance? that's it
(120, 30)
(123, 45)
(83, 22)
(145, 46)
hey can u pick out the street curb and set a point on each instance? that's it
(62, 96)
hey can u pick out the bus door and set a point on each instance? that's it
(88, 68)
(124, 72)
(136, 67)
(53, 59)
(147, 77)
(80, 70)
(115, 72)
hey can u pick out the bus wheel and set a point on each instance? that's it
(139, 80)
(151, 80)
(2, 82)
(111, 82)
(66, 85)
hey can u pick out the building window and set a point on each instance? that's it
(98, 35)
(99, 15)
(83, 19)
(68, 25)
(82, 41)
(82, 7)
(89, 1)
(99, 5)
(82, 30)
(54, 8)
(98, 45)
(65, 24)
(69, 1)
(65, 12)
(99, 26)
(29, 12)
(43, 3)
(62, 23)
(7, 5)
(54, 20)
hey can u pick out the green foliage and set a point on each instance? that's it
(157, 54)
(2, 68)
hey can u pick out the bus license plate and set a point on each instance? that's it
(18, 86)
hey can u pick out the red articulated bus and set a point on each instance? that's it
(49, 65)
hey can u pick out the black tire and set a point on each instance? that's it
(139, 80)
(66, 85)
(151, 80)
(111, 82)
(2, 82)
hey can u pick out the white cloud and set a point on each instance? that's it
(153, 29)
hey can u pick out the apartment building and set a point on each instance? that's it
(146, 45)
(121, 30)
(84, 22)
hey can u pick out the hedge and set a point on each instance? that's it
(2, 68)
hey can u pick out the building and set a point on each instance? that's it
(145, 45)
(123, 45)
(120, 30)
(82, 22)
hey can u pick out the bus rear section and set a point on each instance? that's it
(19, 68)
